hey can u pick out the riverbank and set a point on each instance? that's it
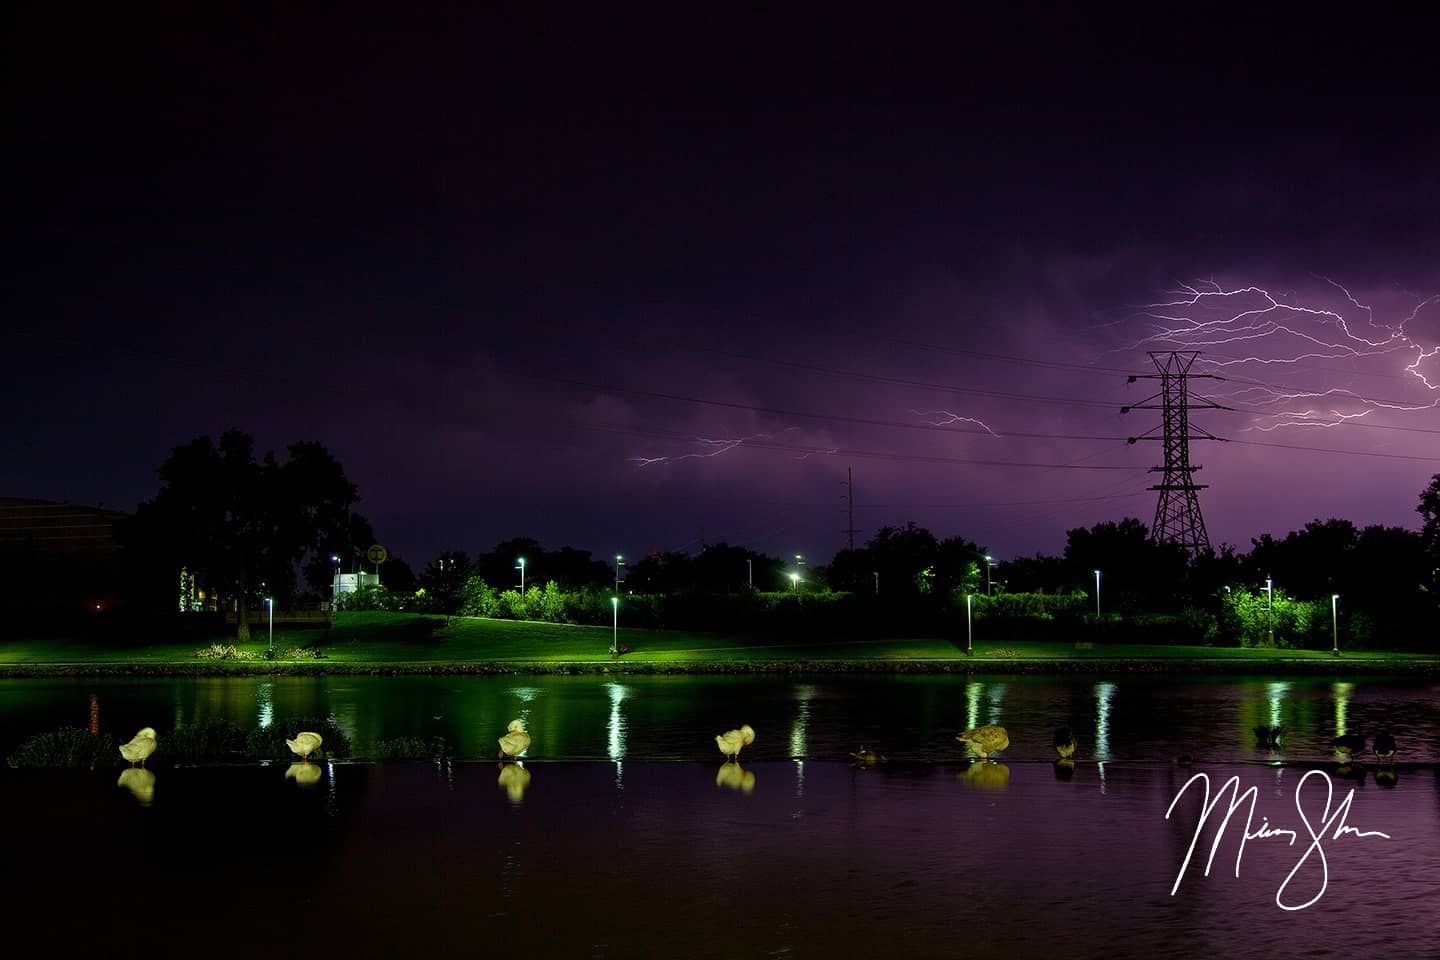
(1276, 666)
(372, 644)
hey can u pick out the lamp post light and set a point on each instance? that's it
(615, 627)
(270, 609)
(619, 562)
(334, 581)
(1097, 594)
(1270, 609)
(989, 565)
(795, 579)
(521, 564)
(1334, 626)
(969, 634)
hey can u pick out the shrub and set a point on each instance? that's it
(301, 653)
(221, 651)
(67, 747)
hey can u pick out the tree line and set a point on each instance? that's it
(245, 526)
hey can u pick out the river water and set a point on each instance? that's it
(623, 834)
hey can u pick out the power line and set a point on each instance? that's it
(851, 452)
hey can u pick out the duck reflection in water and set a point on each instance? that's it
(140, 782)
(1386, 777)
(734, 776)
(1351, 771)
(987, 775)
(514, 780)
(1064, 769)
(303, 773)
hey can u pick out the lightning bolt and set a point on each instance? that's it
(946, 418)
(1283, 330)
(712, 447)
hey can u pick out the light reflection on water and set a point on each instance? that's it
(908, 718)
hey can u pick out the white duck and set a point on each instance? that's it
(139, 748)
(516, 742)
(731, 741)
(985, 740)
(304, 744)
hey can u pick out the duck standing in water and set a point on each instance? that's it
(866, 757)
(140, 747)
(1348, 745)
(516, 741)
(985, 740)
(1064, 743)
(1384, 747)
(304, 744)
(731, 741)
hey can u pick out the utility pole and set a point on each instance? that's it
(849, 531)
(1177, 514)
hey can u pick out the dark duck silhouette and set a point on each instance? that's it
(1350, 744)
(1064, 743)
(1384, 747)
(1268, 736)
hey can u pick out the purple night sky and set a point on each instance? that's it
(621, 280)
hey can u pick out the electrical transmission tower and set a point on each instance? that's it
(1177, 514)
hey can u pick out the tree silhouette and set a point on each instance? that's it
(240, 525)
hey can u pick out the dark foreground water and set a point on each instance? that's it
(778, 859)
(624, 835)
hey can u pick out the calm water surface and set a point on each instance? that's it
(623, 834)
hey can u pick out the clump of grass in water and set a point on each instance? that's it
(67, 747)
(209, 740)
(410, 748)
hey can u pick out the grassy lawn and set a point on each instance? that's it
(358, 639)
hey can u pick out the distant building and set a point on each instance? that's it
(57, 556)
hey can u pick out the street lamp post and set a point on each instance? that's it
(1097, 594)
(619, 562)
(989, 565)
(270, 609)
(969, 634)
(1270, 608)
(334, 582)
(615, 627)
(521, 565)
(749, 573)
(1334, 626)
(795, 579)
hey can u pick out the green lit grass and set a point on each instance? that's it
(400, 641)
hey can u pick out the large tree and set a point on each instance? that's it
(1429, 508)
(241, 526)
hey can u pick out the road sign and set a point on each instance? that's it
(376, 554)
